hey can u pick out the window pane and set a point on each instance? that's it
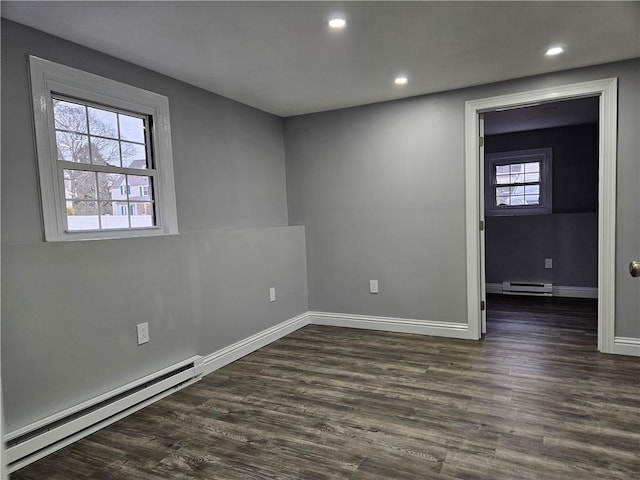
(532, 167)
(82, 215)
(517, 200)
(502, 169)
(134, 155)
(503, 179)
(516, 167)
(139, 187)
(517, 178)
(532, 177)
(112, 216)
(141, 214)
(112, 186)
(105, 152)
(131, 128)
(70, 116)
(532, 199)
(72, 147)
(502, 195)
(79, 185)
(532, 189)
(103, 123)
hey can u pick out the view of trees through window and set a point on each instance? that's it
(102, 155)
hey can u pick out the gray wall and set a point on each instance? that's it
(69, 310)
(380, 190)
(516, 246)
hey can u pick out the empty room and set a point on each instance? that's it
(320, 240)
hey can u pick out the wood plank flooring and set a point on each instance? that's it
(532, 400)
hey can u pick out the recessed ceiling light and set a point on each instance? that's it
(337, 23)
(401, 80)
(555, 51)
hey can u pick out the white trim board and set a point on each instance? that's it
(558, 291)
(626, 346)
(244, 347)
(227, 355)
(607, 92)
(390, 324)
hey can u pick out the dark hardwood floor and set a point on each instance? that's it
(532, 400)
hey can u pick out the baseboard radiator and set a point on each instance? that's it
(537, 289)
(30, 443)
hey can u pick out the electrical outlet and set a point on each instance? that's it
(548, 263)
(272, 294)
(373, 286)
(143, 332)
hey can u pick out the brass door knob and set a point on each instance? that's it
(634, 269)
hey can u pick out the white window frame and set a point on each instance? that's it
(542, 155)
(50, 78)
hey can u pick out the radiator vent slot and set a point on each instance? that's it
(538, 289)
(41, 438)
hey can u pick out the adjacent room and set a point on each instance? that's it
(290, 240)
(541, 203)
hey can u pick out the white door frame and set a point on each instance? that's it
(607, 91)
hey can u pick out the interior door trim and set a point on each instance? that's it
(607, 91)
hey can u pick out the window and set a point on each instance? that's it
(518, 182)
(104, 156)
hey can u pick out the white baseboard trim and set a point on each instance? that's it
(558, 291)
(207, 364)
(626, 346)
(34, 449)
(389, 324)
(244, 347)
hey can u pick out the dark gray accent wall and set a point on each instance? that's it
(69, 310)
(575, 162)
(516, 246)
(380, 190)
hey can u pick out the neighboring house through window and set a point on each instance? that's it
(518, 182)
(104, 156)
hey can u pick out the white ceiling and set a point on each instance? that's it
(282, 58)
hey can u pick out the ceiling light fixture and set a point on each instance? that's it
(401, 80)
(555, 51)
(337, 23)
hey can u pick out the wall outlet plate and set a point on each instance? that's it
(272, 294)
(143, 332)
(548, 263)
(373, 286)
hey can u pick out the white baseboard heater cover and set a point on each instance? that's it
(538, 289)
(30, 443)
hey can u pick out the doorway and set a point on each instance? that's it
(541, 220)
(606, 92)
